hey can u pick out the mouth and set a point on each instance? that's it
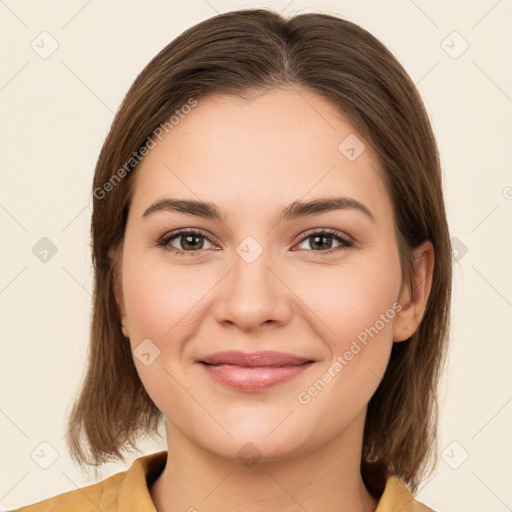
(256, 371)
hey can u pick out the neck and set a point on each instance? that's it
(327, 477)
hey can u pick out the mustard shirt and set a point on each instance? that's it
(128, 492)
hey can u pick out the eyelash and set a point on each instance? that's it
(330, 233)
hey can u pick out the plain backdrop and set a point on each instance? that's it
(65, 69)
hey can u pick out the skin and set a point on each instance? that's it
(252, 158)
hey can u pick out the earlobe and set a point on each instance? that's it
(124, 328)
(414, 302)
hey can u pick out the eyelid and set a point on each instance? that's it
(327, 232)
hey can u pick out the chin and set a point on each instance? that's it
(253, 438)
(251, 450)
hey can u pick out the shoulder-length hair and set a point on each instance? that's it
(238, 53)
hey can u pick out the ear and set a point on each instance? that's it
(414, 301)
(114, 255)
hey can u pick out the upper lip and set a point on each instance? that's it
(254, 359)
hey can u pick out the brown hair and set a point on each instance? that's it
(253, 50)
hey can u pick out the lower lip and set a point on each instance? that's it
(246, 378)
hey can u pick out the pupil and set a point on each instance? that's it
(188, 243)
(316, 238)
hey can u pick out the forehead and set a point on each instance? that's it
(272, 148)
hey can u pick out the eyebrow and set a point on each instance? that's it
(295, 210)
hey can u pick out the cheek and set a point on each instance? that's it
(160, 306)
(358, 308)
(159, 301)
(349, 299)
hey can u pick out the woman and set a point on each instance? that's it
(272, 277)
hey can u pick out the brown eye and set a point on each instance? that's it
(322, 241)
(185, 242)
(191, 241)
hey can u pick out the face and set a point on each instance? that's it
(265, 323)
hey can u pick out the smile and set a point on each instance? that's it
(254, 372)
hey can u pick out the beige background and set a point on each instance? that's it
(56, 113)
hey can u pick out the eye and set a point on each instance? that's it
(322, 241)
(185, 241)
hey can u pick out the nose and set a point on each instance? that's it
(254, 294)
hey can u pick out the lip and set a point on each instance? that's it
(255, 371)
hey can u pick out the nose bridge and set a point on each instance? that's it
(252, 294)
